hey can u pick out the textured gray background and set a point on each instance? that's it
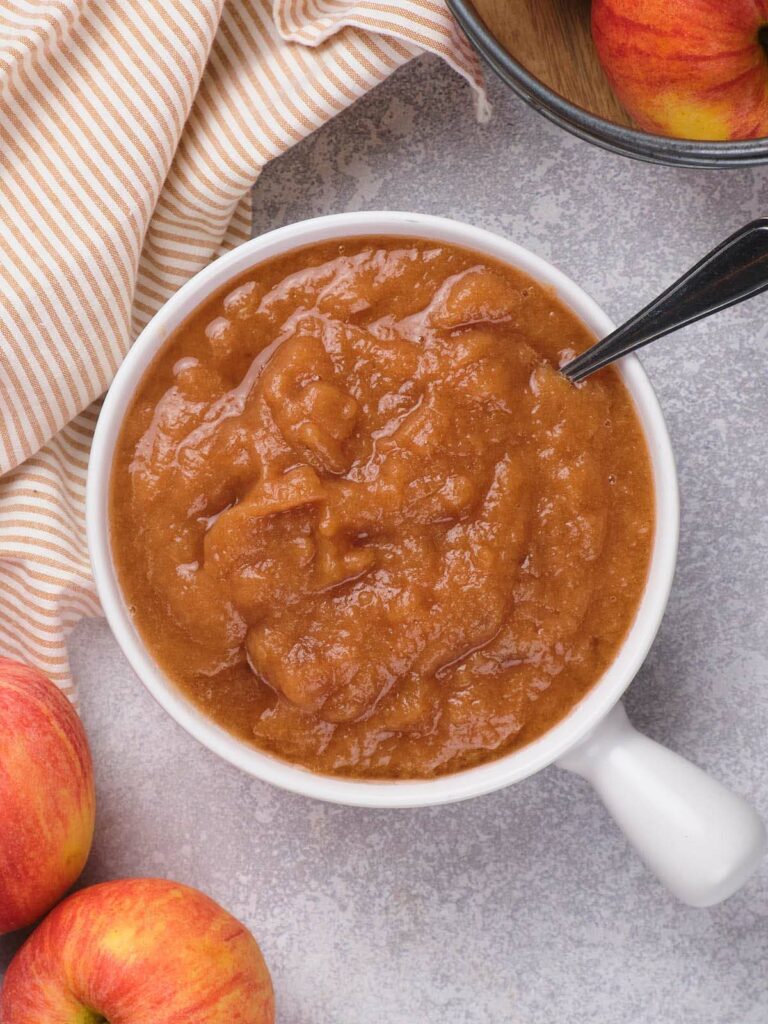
(525, 906)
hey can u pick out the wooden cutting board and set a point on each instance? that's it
(552, 40)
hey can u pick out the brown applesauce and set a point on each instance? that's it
(362, 521)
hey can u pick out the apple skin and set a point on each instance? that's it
(692, 69)
(47, 801)
(138, 951)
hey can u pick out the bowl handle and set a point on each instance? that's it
(700, 839)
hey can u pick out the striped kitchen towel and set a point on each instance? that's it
(130, 136)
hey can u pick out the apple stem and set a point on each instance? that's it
(762, 38)
(93, 1016)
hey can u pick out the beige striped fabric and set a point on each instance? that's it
(130, 135)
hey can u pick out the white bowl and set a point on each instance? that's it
(576, 732)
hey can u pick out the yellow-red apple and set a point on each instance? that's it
(694, 69)
(46, 795)
(138, 951)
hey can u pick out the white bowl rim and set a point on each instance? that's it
(462, 785)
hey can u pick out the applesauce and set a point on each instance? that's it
(362, 521)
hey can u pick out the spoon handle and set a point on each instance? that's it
(735, 270)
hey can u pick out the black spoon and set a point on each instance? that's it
(735, 270)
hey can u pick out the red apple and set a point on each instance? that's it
(138, 951)
(46, 795)
(694, 69)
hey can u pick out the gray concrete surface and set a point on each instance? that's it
(525, 906)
